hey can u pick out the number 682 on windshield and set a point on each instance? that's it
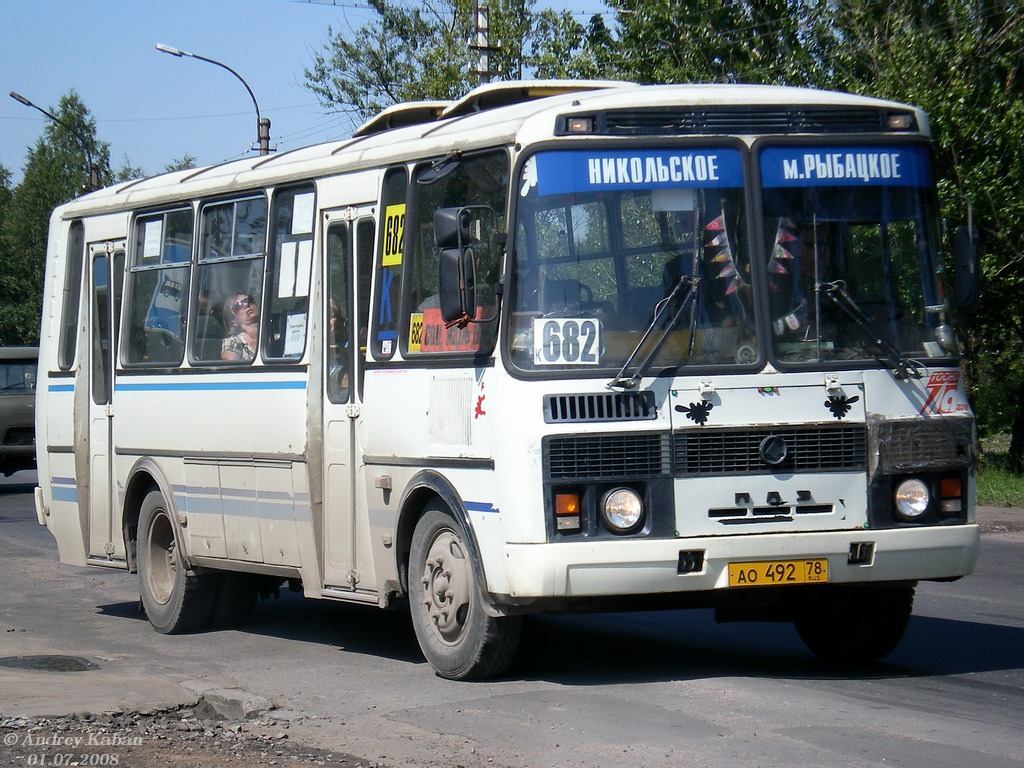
(566, 341)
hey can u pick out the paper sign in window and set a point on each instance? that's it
(286, 280)
(152, 241)
(296, 269)
(295, 335)
(302, 214)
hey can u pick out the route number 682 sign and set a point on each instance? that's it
(566, 341)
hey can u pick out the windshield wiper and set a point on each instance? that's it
(899, 363)
(687, 283)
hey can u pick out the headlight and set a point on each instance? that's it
(622, 510)
(911, 499)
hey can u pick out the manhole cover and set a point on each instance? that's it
(48, 663)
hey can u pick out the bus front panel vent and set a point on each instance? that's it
(624, 455)
(599, 406)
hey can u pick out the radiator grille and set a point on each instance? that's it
(596, 407)
(741, 120)
(737, 451)
(935, 443)
(701, 452)
(583, 457)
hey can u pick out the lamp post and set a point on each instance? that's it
(262, 123)
(94, 173)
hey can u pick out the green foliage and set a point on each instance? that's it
(711, 41)
(182, 163)
(423, 52)
(56, 171)
(405, 54)
(998, 484)
(563, 48)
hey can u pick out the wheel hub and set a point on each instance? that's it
(446, 586)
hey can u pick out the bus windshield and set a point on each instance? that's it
(630, 253)
(851, 247)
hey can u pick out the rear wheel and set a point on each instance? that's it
(855, 625)
(176, 600)
(457, 636)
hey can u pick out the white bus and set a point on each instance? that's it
(553, 346)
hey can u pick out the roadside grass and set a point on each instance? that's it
(997, 485)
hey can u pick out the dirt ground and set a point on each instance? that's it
(184, 738)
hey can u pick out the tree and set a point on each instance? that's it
(56, 171)
(708, 40)
(405, 54)
(424, 53)
(182, 163)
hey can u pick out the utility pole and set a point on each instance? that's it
(483, 47)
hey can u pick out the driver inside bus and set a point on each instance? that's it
(242, 315)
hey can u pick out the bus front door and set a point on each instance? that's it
(106, 279)
(348, 561)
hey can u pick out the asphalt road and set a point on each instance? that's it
(643, 689)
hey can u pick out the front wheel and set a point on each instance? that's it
(855, 625)
(176, 600)
(457, 636)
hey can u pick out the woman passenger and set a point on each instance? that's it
(242, 314)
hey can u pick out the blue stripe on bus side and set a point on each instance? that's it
(60, 388)
(65, 494)
(239, 502)
(193, 386)
(480, 506)
(64, 489)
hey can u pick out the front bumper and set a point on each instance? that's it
(624, 567)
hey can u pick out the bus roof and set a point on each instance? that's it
(493, 115)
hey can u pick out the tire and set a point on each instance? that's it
(457, 636)
(855, 625)
(175, 600)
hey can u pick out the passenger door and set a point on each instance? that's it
(348, 249)
(106, 271)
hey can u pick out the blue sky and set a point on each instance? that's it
(153, 108)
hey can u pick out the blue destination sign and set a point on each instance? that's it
(849, 166)
(598, 170)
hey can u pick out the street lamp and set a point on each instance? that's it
(94, 173)
(262, 123)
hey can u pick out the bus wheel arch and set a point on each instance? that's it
(422, 491)
(459, 632)
(144, 477)
(176, 598)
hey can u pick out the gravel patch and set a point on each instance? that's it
(184, 738)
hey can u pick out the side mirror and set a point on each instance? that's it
(966, 270)
(454, 230)
(457, 285)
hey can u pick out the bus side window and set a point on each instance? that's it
(230, 280)
(289, 273)
(158, 288)
(72, 295)
(384, 334)
(477, 186)
(339, 350)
